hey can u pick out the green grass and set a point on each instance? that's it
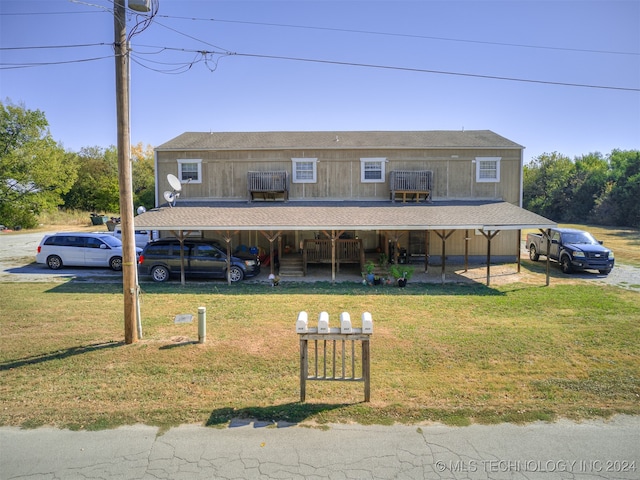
(457, 354)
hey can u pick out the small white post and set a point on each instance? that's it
(202, 324)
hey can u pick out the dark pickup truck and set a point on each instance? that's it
(572, 249)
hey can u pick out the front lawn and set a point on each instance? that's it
(451, 353)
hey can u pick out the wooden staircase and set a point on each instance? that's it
(291, 265)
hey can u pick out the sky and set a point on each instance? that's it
(552, 76)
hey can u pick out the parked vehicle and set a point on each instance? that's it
(74, 249)
(142, 236)
(202, 258)
(572, 249)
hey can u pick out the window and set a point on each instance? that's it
(372, 170)
(304, 170)
(190, 170)
(487, 169)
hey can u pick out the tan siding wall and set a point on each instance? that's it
(338, 173)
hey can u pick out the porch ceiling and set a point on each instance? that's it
(340, 215)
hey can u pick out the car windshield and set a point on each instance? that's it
(111, 241)
(580, 237)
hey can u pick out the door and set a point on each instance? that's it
(72, 250)
(96, 253)
(556, 241)
(207, 261)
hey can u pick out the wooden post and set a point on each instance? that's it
(366, 370)
(547, 234)
(304, 368)
(129, 257)
(227, 238)
(427, 234)
(271, 237)
(443, 236)
(519, 239)
(489, 236)
(466, 250)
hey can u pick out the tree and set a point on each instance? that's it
(35, 171)
(620, 203)
(547, 186)
(96, 189)
(587, 185)
(144, 184)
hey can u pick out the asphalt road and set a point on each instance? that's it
(540, 451)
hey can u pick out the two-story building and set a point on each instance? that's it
(425, 197)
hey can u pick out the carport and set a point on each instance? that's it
(333, 218)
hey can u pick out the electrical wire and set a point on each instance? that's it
(14, 66)
(57, 46)
(406, 69)
(405, 35)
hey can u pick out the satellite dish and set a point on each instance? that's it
(174, 182)
(141, 210)
(170, 197)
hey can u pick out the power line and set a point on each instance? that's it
(406, 35)
(206, 55)
(14, 66)
(406, 69)
(30, 14)
(57, 46)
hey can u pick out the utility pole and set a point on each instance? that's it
(129, 258)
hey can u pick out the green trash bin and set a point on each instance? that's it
(98, 219)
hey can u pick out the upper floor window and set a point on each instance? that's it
(304, 170)
(190, 170)
(372, 170)
(487, 169)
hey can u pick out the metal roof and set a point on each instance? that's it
(339, 215)
(445, 139)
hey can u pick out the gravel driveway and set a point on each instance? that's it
(17, 263)
(18, 251)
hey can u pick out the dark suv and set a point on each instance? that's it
(202, 258)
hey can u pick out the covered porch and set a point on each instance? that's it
(448, 229)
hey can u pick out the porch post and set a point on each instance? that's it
(489, 236)
(443, 236)
(466, 250)
(333, 255)
(272, 238)
(426, 250)
(227, 238)
(519, 240)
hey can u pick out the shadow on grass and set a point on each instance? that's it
(58, 355)
(286, 289)
(289, 413)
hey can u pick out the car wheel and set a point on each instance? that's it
(533, 253)
(54, 262)
(606, 271)
(116, 263)
(160, 273)
(236, 274)
(565, 264)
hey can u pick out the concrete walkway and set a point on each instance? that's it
(562, 450)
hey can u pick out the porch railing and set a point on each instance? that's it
(412, 183)
(319, 251)
(268, 184)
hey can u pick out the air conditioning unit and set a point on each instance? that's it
(140, 5)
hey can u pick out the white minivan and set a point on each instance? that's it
(75, 249)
